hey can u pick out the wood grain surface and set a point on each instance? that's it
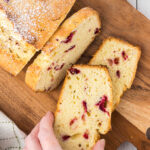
(121, 20)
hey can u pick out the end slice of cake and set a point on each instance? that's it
(14, 51)
(121, 59)
(84, 107)
(63, 50)
(25, 27)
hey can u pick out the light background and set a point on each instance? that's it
(142, 5)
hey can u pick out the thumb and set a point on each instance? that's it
(100, 145)
(46, 135)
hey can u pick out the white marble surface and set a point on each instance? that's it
(142, 5)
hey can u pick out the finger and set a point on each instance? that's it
(46, 135)
(32, 141)
(25, 148)
(100, 145)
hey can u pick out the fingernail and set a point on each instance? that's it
(48, 113)
(102, 141)
(52, 113)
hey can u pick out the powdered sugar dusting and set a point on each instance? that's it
(31, 18)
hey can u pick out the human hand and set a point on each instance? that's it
(42, 136)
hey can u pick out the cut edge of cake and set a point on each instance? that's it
(137, 48)
(97, 133)
(33, 72)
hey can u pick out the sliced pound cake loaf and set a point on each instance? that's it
(63, 50)
(84, 107)
(25, 27)
(121, 58)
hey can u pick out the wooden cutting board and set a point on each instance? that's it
(121, 20)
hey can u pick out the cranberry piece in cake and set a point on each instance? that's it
(124, 55)
(69, 38)
(6, 1)
(103, 103)
(110, 61)
(118, 73)
(97, 30)
(49, 68)
(116, 61)
(84, 106)
(74, 71)
(83, 117)
(65, 137)
(71, 48)
(86, 135)
(73, 121)
(59, 67)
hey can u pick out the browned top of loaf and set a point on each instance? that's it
(35, 19)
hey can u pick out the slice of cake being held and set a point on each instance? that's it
(63, 50)
(25, 27)
(121, 58)
(84, 107)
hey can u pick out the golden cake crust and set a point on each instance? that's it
(36, 20)
(12, 65)
(32, 76)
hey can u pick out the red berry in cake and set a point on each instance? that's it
(86, 135)
(84, 106)
(49, 88)
(59, 67)
(124, 55)
(65, 137)
(116, 61)
(85, 88)
(73, 121)
(71, 48)
(118, 73)
(74, 71)
(110, 61)
(83, 117)
(103, 103)
(97, 30)
(6, 1)
(49, 68)
(69, 38)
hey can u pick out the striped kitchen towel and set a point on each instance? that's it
(11, 137)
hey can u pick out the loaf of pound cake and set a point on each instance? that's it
(63, 49)
(121, 59)
(84, 107)
(25, 27)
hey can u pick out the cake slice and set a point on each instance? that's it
(63, 50)
(121, 59)
(84, 107)
(25, 27)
